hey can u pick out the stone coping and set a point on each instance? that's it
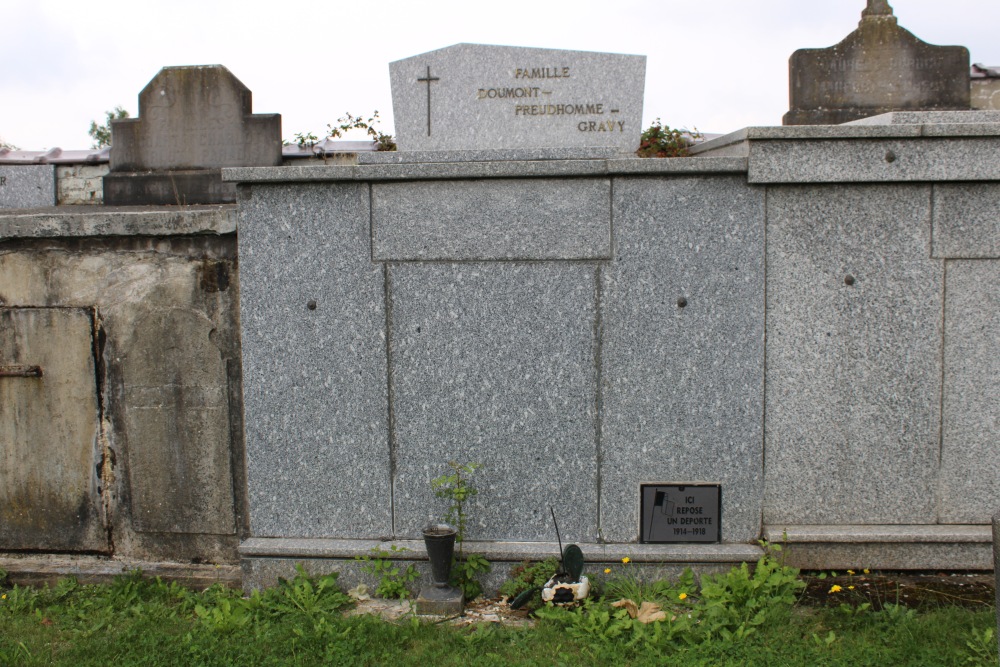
(879, 534)
(279, 547)
(56, 222)
(847, 131)
(498, 155)
(493, 169)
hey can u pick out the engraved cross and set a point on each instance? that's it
(428, 79)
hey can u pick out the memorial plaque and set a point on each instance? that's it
(680, 513)
(476, 96)
(880, 67)
(192, 122)
(27, 186)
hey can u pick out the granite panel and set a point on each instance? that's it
(27, 186)
(970, 458)
(682, 386)
(495, 364)
(966, 220)
(850, 161)
(478, 96)
(540, 218)
(314, 369)
(853, 356)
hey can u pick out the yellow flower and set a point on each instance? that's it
(835, 588)
(683, 596)
(850, 588)
(3, 597)
(850, 572)
(607, 570)
(626, 560)
(865, 570)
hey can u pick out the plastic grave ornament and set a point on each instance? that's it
(567, 586)
(570, 585)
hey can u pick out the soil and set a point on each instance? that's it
(921, 590)
(913, 590)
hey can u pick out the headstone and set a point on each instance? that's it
(27, 186)
(192, 122)
(476, 96)
(880, 67)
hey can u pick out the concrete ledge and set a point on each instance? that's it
(511, 169)
(58, 222)
(36, 570)
(896, 547)
(279, 547)
(265, 560)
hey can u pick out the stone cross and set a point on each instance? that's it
(877, 8)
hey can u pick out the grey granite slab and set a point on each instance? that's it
(539, 218)
(489, 169)
(496, 364)
(682, 387)
(478, 96)
(846, 161)
(314, 364)
(966, 220)
(27, 186)
(494, 155)
(970, 458)
(68, 221)
(853, 356)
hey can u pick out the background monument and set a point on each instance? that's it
(880, 67)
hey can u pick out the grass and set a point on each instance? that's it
(137, 621)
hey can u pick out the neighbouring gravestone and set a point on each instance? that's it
(476, 96)
(27, 186)
(192, 122)
(880, 67)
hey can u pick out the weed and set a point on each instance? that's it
(457, 489)
(101, 134)
(661, 140)
(392, 581)
(981, 647)
(529, 575)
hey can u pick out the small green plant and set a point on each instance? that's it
(457, 490)
(392, 581)
(981, 647)
(101, 134)
(529, 575)
(305, 140)
(347, 122)
(660, 140)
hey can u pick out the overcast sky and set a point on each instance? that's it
(719, 65)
